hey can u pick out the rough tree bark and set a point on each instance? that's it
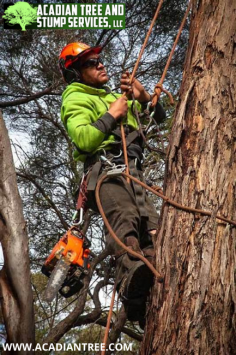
(194, 311)
(15, 286)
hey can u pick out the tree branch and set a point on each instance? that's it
(95, 317)
(51, 203)
(66, 324)
(25, 100)
(124, 330)
(15, 288)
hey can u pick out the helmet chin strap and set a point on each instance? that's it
(77, 75)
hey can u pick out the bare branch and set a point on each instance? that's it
(25, 100)
(45, 195)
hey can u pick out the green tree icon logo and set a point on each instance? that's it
(20, 13)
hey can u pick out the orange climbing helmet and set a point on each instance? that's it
(71, 54)
(73, 51)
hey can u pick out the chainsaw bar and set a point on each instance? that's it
(56, 279)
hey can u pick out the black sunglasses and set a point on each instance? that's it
(93, 62)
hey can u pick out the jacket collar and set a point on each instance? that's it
(90, 90)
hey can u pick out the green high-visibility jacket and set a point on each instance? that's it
(85, 117)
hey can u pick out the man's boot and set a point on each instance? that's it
(134, 280)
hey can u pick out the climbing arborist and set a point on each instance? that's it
(91, 114)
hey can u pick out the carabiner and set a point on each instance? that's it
(81, 215)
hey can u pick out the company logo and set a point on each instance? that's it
(23, 16)
(19, 15)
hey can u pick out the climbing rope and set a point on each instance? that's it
(145, 41)
(108, 321)
(159, 87)
(127, 166)
(131, 80)
(156, 191)
(147, 145)
(159, 277)
(178, 205)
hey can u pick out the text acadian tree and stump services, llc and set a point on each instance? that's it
(24, 16)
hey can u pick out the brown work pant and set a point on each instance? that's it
(120, 207)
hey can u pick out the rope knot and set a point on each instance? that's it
(157, 93)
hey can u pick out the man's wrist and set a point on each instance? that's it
(114, 114)
(145, 98)
(106, 123)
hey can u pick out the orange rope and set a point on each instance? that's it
(159, 88)
(131, 79)
(154, 190)
(108, 321)
(145, 41)
(114, 236)
(155, 99)
(178, 205)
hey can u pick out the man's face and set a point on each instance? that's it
(93, 73)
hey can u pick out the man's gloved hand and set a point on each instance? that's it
(140, 93)
(119, 108)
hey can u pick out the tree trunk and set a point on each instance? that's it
(194, 311)
(15, 287)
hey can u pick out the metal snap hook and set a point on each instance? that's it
(117, 156)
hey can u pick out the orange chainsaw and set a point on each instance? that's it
(67, 265)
